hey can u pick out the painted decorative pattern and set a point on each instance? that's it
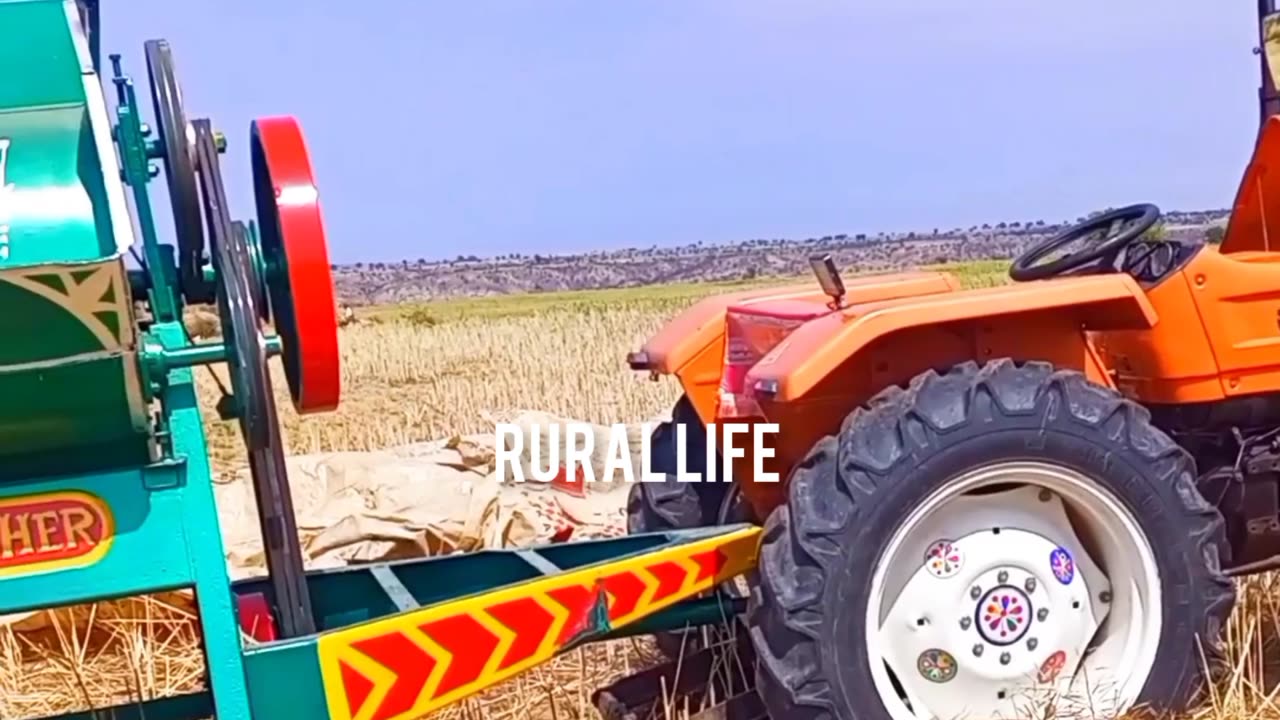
(936, 665)
(410, 664)
(53, 531)
(1051, 667)
(1004, 615)
(943, 559)
(97, 294)
(1064, 569)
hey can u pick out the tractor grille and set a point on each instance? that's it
(750, 333)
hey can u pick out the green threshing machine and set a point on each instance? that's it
(105, 488)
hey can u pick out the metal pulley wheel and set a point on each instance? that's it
(296, 259)
(240, 311)
(239, 296)
(177, 138)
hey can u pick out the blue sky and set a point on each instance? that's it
(494, 126)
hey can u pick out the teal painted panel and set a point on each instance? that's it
(52, 182)
(49, 424)
(37, 57)
(284, 680)
(149, 551)
(52, 195)
(72, 385)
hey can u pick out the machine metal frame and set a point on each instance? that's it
(116, 499)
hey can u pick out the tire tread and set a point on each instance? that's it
(840, 478)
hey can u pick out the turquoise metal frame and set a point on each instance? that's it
(153, 526)
(283, 677)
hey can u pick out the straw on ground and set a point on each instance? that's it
(419, 372)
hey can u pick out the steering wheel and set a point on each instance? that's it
(1104, 237)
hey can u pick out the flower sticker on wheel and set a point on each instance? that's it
(943, 559)
(1004, 615)
(936, 665)
(1064, 569)
(1050, 668)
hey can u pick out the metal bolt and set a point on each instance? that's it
(1030, 585)
(1105, 596)
(152, 170)
(1032, 643)
(144, 129)
(1003, 576)
(977, 650)
(1045, 496)
(1004, 658)
(1042, 613)
(965, 623)
(974, 592)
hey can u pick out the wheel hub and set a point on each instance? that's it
(1003, 615)
(988, 616)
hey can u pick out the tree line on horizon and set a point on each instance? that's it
(1015, 227)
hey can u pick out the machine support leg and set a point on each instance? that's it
(215, 606)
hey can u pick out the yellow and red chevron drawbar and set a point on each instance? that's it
(409, 664)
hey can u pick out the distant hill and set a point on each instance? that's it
(377, 283)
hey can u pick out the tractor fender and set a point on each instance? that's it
(818, 348)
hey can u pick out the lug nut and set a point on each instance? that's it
(975, 592)
(965, 623)
(1032, 643)
(1030, 585)
(1105, 596)
(1004, 658)
(977, 650)
(1042, 613)
(1045, 496)
(1003, 576)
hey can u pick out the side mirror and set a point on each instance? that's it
(824, 268)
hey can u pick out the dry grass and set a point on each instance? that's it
(420, 372)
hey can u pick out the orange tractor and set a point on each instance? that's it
(993, 496)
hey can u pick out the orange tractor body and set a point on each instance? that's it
(976, 498)
(1206, 331)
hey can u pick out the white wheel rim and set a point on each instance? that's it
(1084, 644)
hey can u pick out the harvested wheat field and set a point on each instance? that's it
(432, 370)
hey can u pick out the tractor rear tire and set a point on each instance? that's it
(673, 505)
(852, 493)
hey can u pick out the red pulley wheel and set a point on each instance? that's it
(299, 282)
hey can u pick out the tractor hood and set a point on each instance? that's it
(713, 344)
